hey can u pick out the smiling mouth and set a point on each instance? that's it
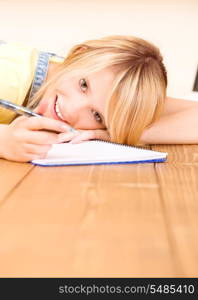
(57, 110)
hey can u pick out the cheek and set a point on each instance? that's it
(44, 103)
(67, 92)
(41, 106)
(64, 86)
(67, 86)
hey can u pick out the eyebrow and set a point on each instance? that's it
(90, 90)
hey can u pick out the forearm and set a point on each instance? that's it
(175, 128)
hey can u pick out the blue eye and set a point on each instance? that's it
(97, 116)
(83, 85)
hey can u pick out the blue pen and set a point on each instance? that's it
(21, 110)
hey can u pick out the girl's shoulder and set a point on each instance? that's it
(17, 66)
(17, 52)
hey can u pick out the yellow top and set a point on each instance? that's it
(17, 67)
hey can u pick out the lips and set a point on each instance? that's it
(57, 109)
(51, 110)
(57, 113)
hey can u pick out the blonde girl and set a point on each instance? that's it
(113, 88)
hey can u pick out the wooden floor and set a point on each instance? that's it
(101, 221)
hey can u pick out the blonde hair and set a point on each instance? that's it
(139, 87)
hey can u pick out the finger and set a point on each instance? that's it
(27, 157)
(91, 135)
(40, 137)
(83, 136)
(36, 149)
(65, 137)
(69, 128)
(31, 123)
(31, 156)
(38, 123)
(19, 119)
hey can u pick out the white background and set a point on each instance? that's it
(56, 25)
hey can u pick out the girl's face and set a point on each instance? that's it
(79, 101)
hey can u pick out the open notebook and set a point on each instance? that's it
(97, 152)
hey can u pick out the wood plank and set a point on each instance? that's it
(86, 221)
(185, 154)
(128, 237)
(178, 180)
(11, 174)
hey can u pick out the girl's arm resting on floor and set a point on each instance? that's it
(177, 125)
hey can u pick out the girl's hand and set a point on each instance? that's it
(25, 138)
(83, 135)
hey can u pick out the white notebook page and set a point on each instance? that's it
(96, 152)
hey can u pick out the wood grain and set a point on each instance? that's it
(11, 175)
(178, 180)
(135, 220)
(96, 221)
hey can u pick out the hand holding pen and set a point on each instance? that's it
(21, 110)
(25, 139)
